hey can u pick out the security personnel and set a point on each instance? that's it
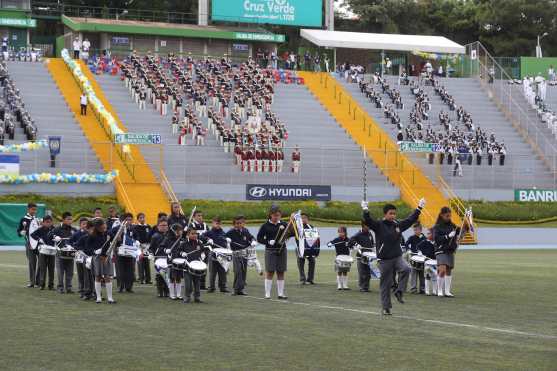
(363, 242)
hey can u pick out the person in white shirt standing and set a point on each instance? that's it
(85, 49)
(76, 48)
(83, 103)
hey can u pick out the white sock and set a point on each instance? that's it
(268, 287)
(427, 286)
(280, 287)
(98, 290)
(339, 282)
(448, 282)
(345, 281)
(171, 290)
(179, 290)
(108, 287)
(440, 281)
(434, 286)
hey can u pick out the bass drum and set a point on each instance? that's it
(33, 226)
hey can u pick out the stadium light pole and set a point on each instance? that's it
(538, 46)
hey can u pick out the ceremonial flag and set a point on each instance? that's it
(299, 232)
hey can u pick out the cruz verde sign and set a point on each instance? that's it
(285, 12)
(251, 36)
(419, 147)
(535, 195)
(134, 138)
(18, 22)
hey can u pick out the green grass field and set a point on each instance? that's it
(503, 318)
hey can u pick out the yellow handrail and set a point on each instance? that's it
(125, 198)
(167, 187)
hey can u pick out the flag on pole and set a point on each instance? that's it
(299, 233)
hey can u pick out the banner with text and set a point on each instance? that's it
(286, 12)
(419, 147)
(276, 192)
(535, 195)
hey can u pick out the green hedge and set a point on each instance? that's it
(330, 211)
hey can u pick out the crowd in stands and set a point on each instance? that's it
(455, 135)
(214, 97)
(12, 110)
(535, 92)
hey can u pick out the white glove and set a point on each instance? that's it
(98, 251)
(253, 243)
(272, 242)
(228, 240)
(209, 241)
(468, 213)
(22, 233)
(167, 251)
(137, 244)
(184, 254)
(57, 239)
(329, 245)
(452, 234)
(364, 205)
(421, 203)
(420, 253)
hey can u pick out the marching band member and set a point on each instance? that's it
(156, 247)
(142, 234)
(98, 242)
(80, 267)
(125, 264)
(32, 254)
(274, 234)
(64, 266)
(426, 247)
(416, 276)
(46, 262)
(192, 249)
(201, 227)
(176, 216)
(240, 238)
(388, 232)
(88, 272)
(113, 220)
(446, 235)
(172, 247)
(341, 245)
(364, 239)
(296, 158)
(310, 252)
(217, 235)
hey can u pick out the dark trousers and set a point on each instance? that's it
(144, 270)
(311, 268)
(203, 279)
(88, 282)
(388, 268)
(46, 263)
(65, 273)
(125, 272)
(417, 278)
(76, 54)
(162, 287)
(33, 259)
(364, 275)
(83, 110)
(80, 268)
(192, 284)
(216, 269)
(240, 265)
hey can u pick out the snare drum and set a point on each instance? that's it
(431, 264)
(67, 252)
(80, 257)
(343, 263)
(89, 262)
(196, 268)
(48, 250)
(223, 256)
(417, 262)
(161, 265)
(178, 263)
(368, 257)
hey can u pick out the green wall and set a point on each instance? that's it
(531, 66)
(10, 214)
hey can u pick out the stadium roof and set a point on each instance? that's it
(379, 41)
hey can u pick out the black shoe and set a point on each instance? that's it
(224, 291)
(422, 292)
(120, 290)
(413, 291)
(347, 289)
(30, 286)
(197, 300)
(148, 283)
(211, 291)
(386, 312)
(398, 296)
(282, 298)
(187, 300)
(240, 293)
(311, 282)
(142, 282)
(364, 290)
(69, 291)
(303, 282)
(42, 288)
(130, 291)
(87, 297)
(60, 291)
(112, 302)
(50, 288)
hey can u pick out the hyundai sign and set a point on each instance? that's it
(274, 192)
(286, 12)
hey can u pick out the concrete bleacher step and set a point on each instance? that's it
(329, 156)
(522, 166)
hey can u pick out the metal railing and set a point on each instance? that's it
(494, 79)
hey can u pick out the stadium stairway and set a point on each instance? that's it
(53, 118)
(137, 188)
(381, 148)
(523, 168)
(329, 156)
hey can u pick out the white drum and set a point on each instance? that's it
(80, 257)
(179, 263)
(161, 264)
(224, 257)
(128, 251)
(368, 257)
(89, 262)
(67, 252)
(196, 267)
(48, 250)
(417, 262)
(343, 263)
(431, 264)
